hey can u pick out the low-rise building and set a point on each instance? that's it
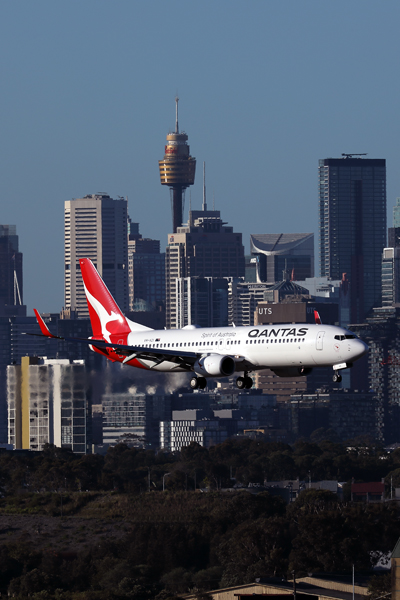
(373, 491)
(133, 418)
(348, 414)
(189, 426)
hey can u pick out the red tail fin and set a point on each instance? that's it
(317, 317)
(107, 320)
(43, 327)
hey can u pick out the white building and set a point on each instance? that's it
(96, 228)
(243, 300)
(391, 276)
(189, 426)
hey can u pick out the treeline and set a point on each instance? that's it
(177, 541)
(235, 461)
(181, 541)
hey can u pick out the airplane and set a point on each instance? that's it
(287, 349)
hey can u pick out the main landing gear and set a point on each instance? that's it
(244, 383)
(198, 383)
(337, 378)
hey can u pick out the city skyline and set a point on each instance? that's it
(276, 87)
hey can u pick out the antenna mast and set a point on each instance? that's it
(17, 293)
(204, 187)
(176, 119)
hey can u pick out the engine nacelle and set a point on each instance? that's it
(292, 371)
(215, 365)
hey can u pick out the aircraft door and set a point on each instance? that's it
(320, 339)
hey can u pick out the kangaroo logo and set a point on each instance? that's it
(110, 323)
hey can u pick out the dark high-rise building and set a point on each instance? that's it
(10, 267)
(205, 247)
(393, 237)
(11, 308)
(379, 370)
(146, 272)
(352, 213)
(202, 301)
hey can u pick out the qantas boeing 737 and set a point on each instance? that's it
(288, 349)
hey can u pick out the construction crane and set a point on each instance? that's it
(351, 155)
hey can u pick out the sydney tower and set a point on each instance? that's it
(177, 170)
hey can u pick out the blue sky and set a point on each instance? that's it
(266, 89)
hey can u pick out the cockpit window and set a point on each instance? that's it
(350, 337)
(345, 337)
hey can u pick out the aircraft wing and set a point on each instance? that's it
(183, 359)
(131, 352)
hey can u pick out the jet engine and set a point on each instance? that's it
(292, 371)
(215, 365)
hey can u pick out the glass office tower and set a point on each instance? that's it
(352, 213)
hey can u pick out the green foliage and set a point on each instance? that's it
(182, 540)
(380, 586)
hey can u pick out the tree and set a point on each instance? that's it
(380, 586)
(253, 549)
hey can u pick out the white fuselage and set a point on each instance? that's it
(262, 346)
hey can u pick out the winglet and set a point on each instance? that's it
(43, 327)
(317, 318)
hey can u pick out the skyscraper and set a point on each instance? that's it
(202, 301)
(146, 271)
(11, 307)
(10, 269)
(396, 213)
(394, 232)
(96, 228)
(352, 213)
(205, 247)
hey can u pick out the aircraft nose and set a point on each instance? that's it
(361, 348)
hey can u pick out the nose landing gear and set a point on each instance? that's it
(337, 378)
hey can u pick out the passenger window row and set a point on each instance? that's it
(189, 344)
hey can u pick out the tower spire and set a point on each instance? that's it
(176, 119)
(204, 187)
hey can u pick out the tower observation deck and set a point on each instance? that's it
(177, 170)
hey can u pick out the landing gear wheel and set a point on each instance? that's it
(337, 378)
(248, 383)
(241, 383)
(194, 383)
(201, 383)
